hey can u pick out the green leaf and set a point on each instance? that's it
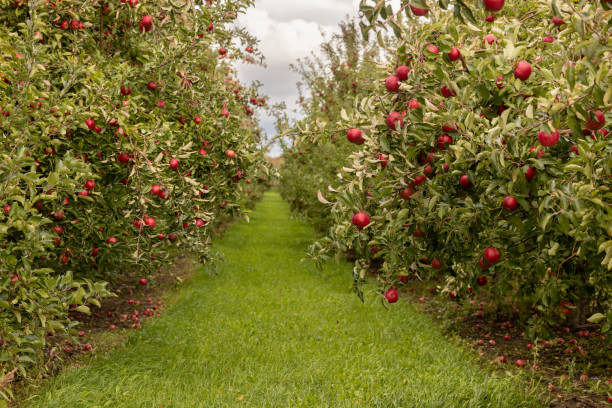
(596, 318)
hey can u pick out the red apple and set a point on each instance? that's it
(557, 21)
(393, 119)
(90, 123)
(90, 184)
(596, 121)
(436, 263)
(414, 104)
(481, 280)
(355, 136)
(548, 139)
(146, 22)
(530, 173)
(402, 72)
(173, 164)
(489, 38)
(491, 255)
(407, 193)
(433, 49)
(493, 5)
(464, 181)
(522, 70)
(510, 203)
(391, 295)
(392, 83)
(419, 11)
(360, 219)
(142, 281)
(229, 153)
(454, 54)
(447, 92)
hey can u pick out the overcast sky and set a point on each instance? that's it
(288, 30)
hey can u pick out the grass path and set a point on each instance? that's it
(270, 331)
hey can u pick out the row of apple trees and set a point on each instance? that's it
(123, 138)
(482, 155)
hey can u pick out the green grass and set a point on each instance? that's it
(270, 331)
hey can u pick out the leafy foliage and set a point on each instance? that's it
(463, 134)
(123, 137)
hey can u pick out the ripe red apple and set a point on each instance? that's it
(90, 123)
(522, 70)
(155, 189)
(173, 164)
(146, 22)
(150, 222)
(464, 181)
(530, 173)
(142, 281)
(225, 112)
(548, 39)
(548, 139)
(443, 141)
(360, 219)
(491, 255)
(454, 54)
(391, 295)
(420, 179)
(493, 5)
(152, 85)
(481, 280)
(436, 263)
(197, 120)
(490, 18)
(433, 49)
(230, 153)
(510, 203)
(596, 121)
(407, 192)
(6, 209)
(447, 92)
(90, 184)
(414, 104)
(392, 83)
(383, 160)
(111, 240)
(419, 11)
(393, 118)
(520, 363)
(557, 21)
(482, 264)
(172, 237)
(402, 72)
(355, 136)
(489, 38)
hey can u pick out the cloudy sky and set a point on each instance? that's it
(288, 30)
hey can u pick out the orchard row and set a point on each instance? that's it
(123, 140)
(473, 153)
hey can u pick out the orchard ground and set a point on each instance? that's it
(268, 330)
